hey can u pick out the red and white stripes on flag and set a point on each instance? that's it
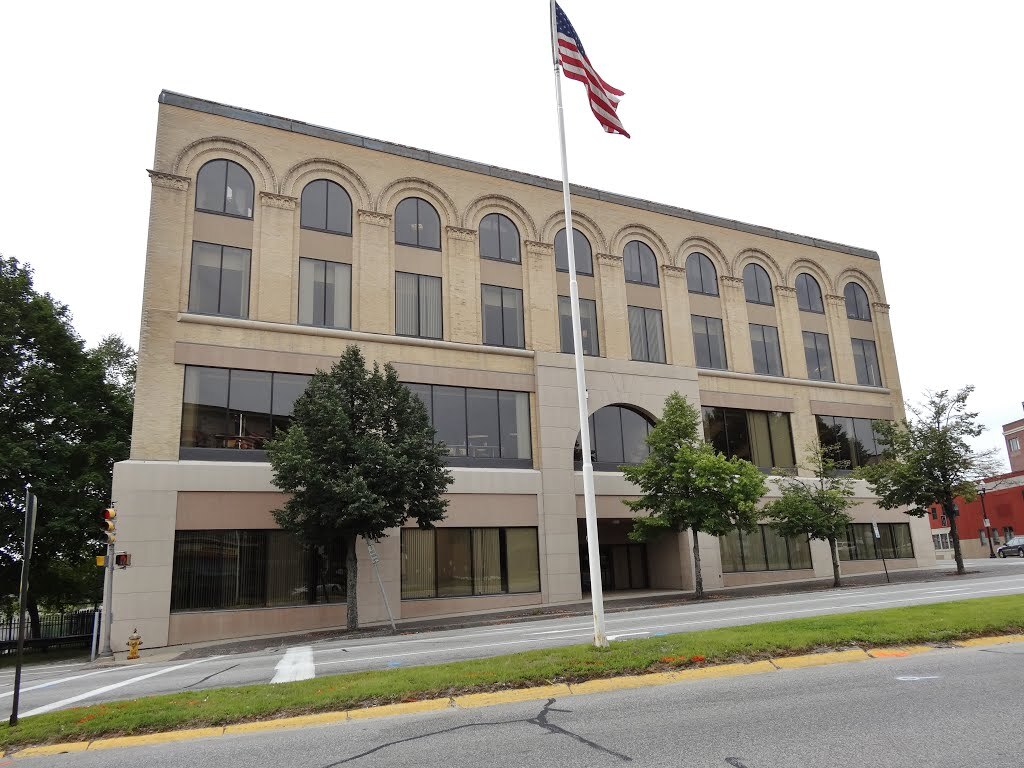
(604, 99)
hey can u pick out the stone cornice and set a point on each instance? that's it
(169, 180)
(832, 298)
(785, 290)
(374, 218)
(730, 281)
(278, 201)
(673, 270)
(458, 233)
(538, 247)
(880, 308)
(609, 258)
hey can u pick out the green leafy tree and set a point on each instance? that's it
(927, 459)
(65, 418)
(358, 459)
(816, 508)
(686, 485)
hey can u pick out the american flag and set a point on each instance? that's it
(604, 100)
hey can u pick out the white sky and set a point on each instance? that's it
(890, 126)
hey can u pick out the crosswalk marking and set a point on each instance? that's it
(296, 664)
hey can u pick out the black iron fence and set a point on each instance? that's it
(56, 630)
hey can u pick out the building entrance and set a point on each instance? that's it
(623, 563)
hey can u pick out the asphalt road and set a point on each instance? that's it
(57, 686)
(955, 708)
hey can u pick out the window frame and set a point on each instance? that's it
(607, 466)
(707, 335)
(758, 273)
(224, 196)
(872, 453)
(590, 252)
(816, 336)
(812, 305)
(597, 325)
(729, 452)
(1013, 444)
(348, 325)
(702, 260)
(856, 291)
(522, 319)
(764, 548)
(502, 219)
(440, 234)
(419, 308)
(849, 550)
(863, 366)
(220, 280)
(327, 208)
(646, 313)
(764, 343)
(642, 250)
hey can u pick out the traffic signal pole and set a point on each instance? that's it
(26, 557)
(109, 529)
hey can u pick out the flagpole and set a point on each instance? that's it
(589, 503)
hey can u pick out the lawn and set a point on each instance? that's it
(943, 622)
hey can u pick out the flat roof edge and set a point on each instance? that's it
(330, 134)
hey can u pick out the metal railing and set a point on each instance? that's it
(56, 630)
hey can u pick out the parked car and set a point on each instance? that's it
(1013, 548)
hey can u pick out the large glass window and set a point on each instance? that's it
(757, 286)
(417, 224)
(818, 356)
(499, 238)
(708, 342)
(459, 562)
(417, 305)
(223, 186)
(857, 307)
(893, 542)
(855, 440)
(237, 409)
(326, 206)
(764, 343)
(225, 570)
(639, 263)
(503, 316)
(701, 276)
(581, 251)
(618, 436)
(808, 294)
(761, 437)
(763, 549)
(479, 427)
(588, 325)
(325, 294)
(646, 335)
(865, 361)
(219, 281)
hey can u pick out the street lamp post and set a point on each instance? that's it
(985, 520)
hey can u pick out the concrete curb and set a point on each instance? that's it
(539, 693)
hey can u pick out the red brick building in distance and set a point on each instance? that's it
(1013, 434)
(1003, 503)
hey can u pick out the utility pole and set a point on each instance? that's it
(106, 617)
(26, 555)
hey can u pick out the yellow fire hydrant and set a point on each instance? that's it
(134, 641)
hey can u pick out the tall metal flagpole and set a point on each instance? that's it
(593, 551)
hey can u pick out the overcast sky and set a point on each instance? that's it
(890, 126)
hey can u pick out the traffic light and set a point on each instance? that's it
(109, 528)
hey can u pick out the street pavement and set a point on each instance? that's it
(57, 686)
(951, 708)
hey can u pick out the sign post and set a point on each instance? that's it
(878, 536)
(26, 555)
(375, 559)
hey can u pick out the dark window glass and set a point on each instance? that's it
(639, 263)
(854, 440)
(757, 286)
(588, 325)
(514, 424)
(762, 437)
(818, 356)
(499, 238)
(608, 436)
(646, 335)
(249, 401)
(417, 305)
(860, 542)
(617, 436)
(325, 294)
(865, 361)
(219, 280)
(764, 343)
(287, 388)
(417, 224)
(708, 342)
(857, 307)
(808, 294)
(450, 418)
(454, 562)
(503, 316)
(223, 186)
(220, 570)
(326, 206)
(581, 250)
(763, 549)
(204, 409)
(482, 423)
(701, 276)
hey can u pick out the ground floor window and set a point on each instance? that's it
(460, 562)
(860, 543)
(220, 570)
(763, 549)
(941, 541)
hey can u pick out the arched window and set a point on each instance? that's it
(499, 238)
(757, 286)
(417, 224)
(617, 436)
(223, 186)
(857, 307)
(581, 250)
(808, 294)
(701, 276)
(326, 206)
(639, 263)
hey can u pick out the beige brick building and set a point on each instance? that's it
(273, 244)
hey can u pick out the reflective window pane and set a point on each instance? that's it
(407, 223)
(204, 406)
(234, 282)
(608, 436)
(799, 552)
(588, 325)
(482, 423)
(338, 295)
(287, 388)
(732, 559)
(522, 557)
(313, 205)
(430, 307)
(857, 307)
(508, 235)
(419, 576)
(204, 283)
(490, 239)
(753, 550)
(238, 197)
(634, 436)
(492, 315)
(865, 360)
(775, 548)
(514, 417)
(249, 409)
(487, 574)
(210, 184)
(808, 294)
(449, 409)
(512, 323)
(429, 226)
(581, 253)
(454, 562)
(631, 262)
(339, 210)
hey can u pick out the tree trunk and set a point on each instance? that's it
(351, 571)
(832, 545)
(698, 579)
(954, 534)
(33, 615)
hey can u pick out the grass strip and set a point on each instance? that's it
(942, 622)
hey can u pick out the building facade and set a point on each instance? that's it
(1002, 507)
(274, 244)
(1013, 434)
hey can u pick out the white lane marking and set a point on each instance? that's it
(296, 664)
(913, 678)
(627, 634)
(114, 686)
(48, 683)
